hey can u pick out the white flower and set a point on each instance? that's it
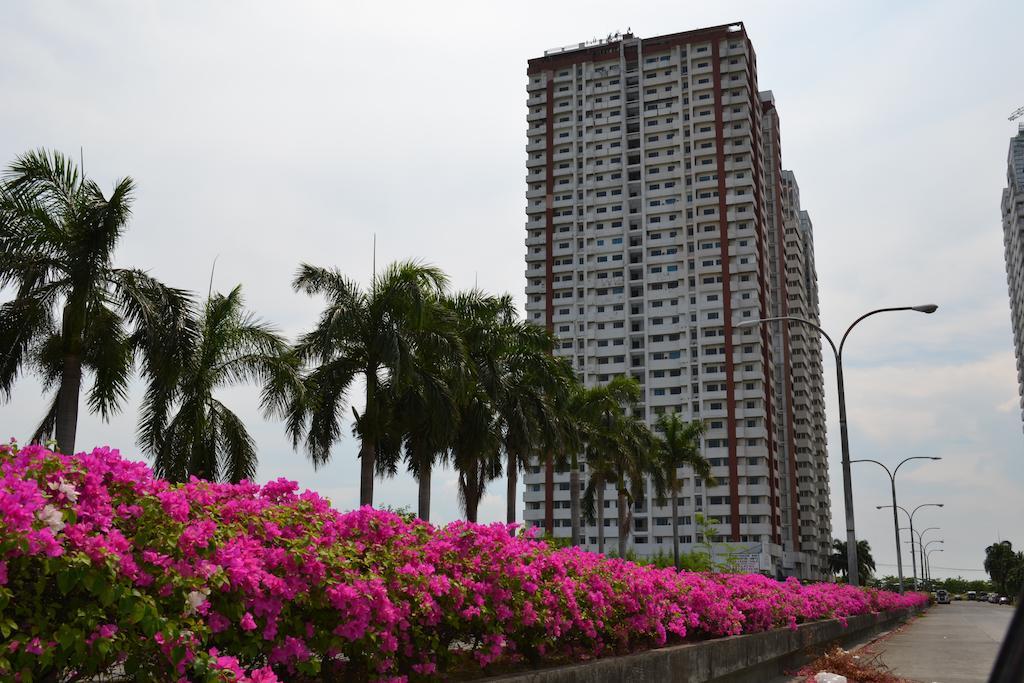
(51, 517)
(70, 491)
(196, 598)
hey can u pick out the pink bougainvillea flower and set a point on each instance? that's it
(192, 579)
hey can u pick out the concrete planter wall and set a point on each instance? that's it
(753, 658)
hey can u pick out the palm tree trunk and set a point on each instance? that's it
(367, 456)
(66, 419)
(675, 530)
(368, 447)
(623, 522)
(549, 494)
(600, 517)
(423, 503)
(574, 499)
(472, 498)
(511, 480)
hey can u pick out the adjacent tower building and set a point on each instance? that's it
(660, 228)
(1013, 243)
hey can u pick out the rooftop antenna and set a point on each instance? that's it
(1019, 112)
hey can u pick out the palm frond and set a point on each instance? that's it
(324, 400)
(236, 449)
(108, 354)
(165, 329)
(22, 322)
(51, 179)
(47, 425)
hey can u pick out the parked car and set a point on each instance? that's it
(942, 597)
(1003, 600)
(958, 597)
(982, 596)
(993, 598)
(972, 595)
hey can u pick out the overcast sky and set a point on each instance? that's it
(271, 133)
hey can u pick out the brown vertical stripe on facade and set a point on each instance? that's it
(760, 225)
(787, 370)
(549, 285)
(763, 297)
(723, 233)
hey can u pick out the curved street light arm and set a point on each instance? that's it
(795, 319)
(924, 505)
(867, 315)
(892, 475)
(919, 533)
(913, 533)
(905, 511)
(913, 457)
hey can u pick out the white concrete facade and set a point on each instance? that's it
(1013, 244)
(651, 175)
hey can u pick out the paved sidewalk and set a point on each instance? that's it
(955, 643)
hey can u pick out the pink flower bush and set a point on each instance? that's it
(103, 565)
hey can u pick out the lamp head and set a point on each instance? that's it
(941, 505)
(936, 457)
(925, 308)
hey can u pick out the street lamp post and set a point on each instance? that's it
(895, 512)
(851, 536)
(921, 546)
(910, 515)
(915, 548)
(926, 552)
(928, 559)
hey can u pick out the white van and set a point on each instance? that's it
(942, 597)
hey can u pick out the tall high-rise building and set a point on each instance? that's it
(660, 227)
(1013, 243)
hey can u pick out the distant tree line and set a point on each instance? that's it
(1004, 566)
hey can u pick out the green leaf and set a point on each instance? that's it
(106, 595)
(65, 581)
(7, 626)
(137, 613)
(66, 636)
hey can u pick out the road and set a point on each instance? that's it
(955, 643)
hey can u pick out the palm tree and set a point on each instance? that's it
(426, 410)
(377, 335)
(431, 416)
(625, 457)
(590, 411)
(481, 321)
(865, 563)
(204, 438)
(680, 447)
(73, 311)
(532, 393)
